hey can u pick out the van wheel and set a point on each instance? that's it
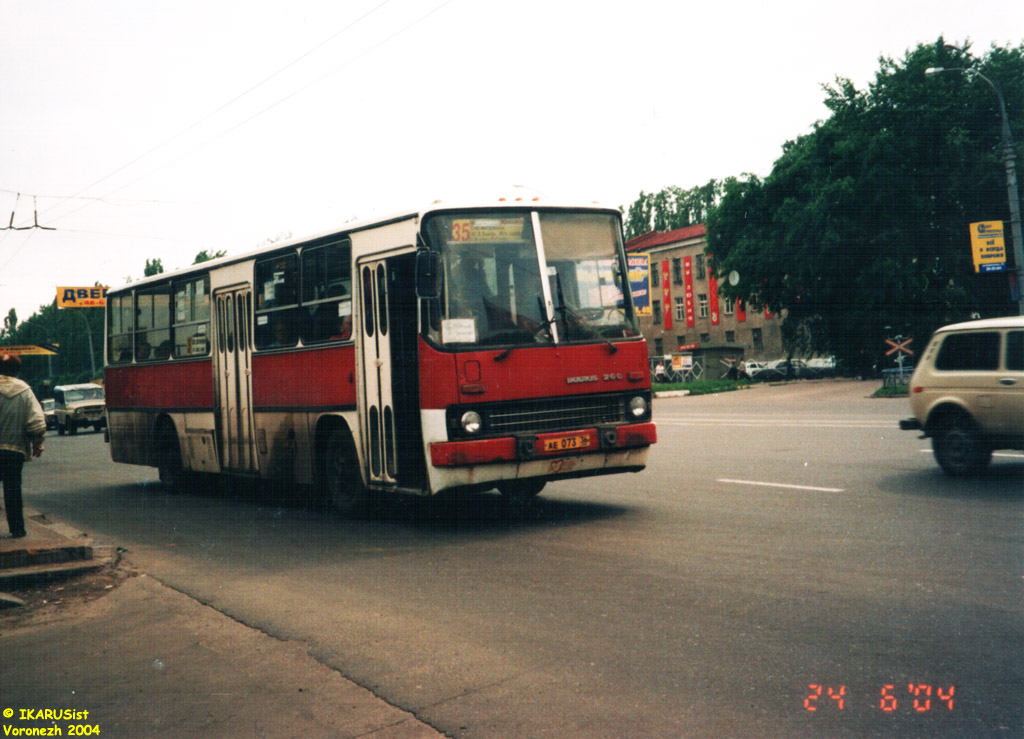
(960, 450)
(60, 429)
(72, 428)
(168, 459)
(340, 479)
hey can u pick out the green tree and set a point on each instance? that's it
(671, 208)
(206, 255)
(153, 267)
(10, 324)
(861, 229)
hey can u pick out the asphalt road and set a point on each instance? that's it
(789, 548)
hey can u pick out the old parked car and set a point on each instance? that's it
(821, 366)
(81, 405)
(753, 368)
(48, 411)
(778, 370)
(967, 393)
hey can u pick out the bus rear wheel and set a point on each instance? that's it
(341, 482)
(169, 465)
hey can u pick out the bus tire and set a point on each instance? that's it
(168, 458)
(340, 479)
(520, 491)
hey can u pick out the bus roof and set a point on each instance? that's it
(517, 203)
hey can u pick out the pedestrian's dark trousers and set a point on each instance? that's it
(10, 476)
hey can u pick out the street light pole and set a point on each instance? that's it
(88, 332)
(1009, 161)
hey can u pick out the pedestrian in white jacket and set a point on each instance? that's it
(22, 427)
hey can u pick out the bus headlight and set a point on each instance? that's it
(471, 422)
(638, 406)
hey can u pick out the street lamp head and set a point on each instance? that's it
(933, 70)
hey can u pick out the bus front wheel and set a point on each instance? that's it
(519, 491)
(342, 483)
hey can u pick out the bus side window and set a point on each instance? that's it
(326, 293)
(277, 301)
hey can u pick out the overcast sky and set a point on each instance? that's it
(158, 129)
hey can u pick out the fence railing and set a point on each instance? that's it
(896, 377)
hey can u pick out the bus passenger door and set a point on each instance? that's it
(233, 384)
(378, 413)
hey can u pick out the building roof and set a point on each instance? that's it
(652, 239)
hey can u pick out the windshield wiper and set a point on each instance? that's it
(569, 312)
(581, 322)
(543, 325)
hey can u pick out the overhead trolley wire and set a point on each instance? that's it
(205, 118)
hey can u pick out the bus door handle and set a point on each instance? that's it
(1007, 381)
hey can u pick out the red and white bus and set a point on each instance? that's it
(475, 347)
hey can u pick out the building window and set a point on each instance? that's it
(658, 350)
(758, 340)
(705, 338)
(677, 271)
(656, 310)
(681, 340)
(698, 267)
(730, 337)
(655, 275)
(702, 305)
(729, 307)
(680, 309)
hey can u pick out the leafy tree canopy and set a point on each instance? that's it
(206, 255)
(671, 208)
(153, 267)
(861, 231)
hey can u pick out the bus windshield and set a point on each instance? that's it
(493, 292)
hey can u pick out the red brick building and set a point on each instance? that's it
(688, 316)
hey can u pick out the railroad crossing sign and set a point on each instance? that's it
(899, 344)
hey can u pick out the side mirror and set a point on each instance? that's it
(428, 275)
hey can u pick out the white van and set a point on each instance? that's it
(967, 392)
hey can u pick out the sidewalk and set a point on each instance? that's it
(149, 661)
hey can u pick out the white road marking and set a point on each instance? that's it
(1011, 455)
(782, 485)
(778, 423)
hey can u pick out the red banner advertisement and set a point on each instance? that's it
(713, 290)
(666, 296)
(688, 284)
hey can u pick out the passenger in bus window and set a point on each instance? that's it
(282, 333)
(471, 296)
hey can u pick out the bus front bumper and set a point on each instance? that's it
(530, 447)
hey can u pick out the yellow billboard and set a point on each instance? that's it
(988, 246)
(82, 297)
(29, 350)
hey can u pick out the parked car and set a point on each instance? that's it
(77, 406)
(967, 393)
(753, 368)
(778, 370)
(48, 411)
(821, 366)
